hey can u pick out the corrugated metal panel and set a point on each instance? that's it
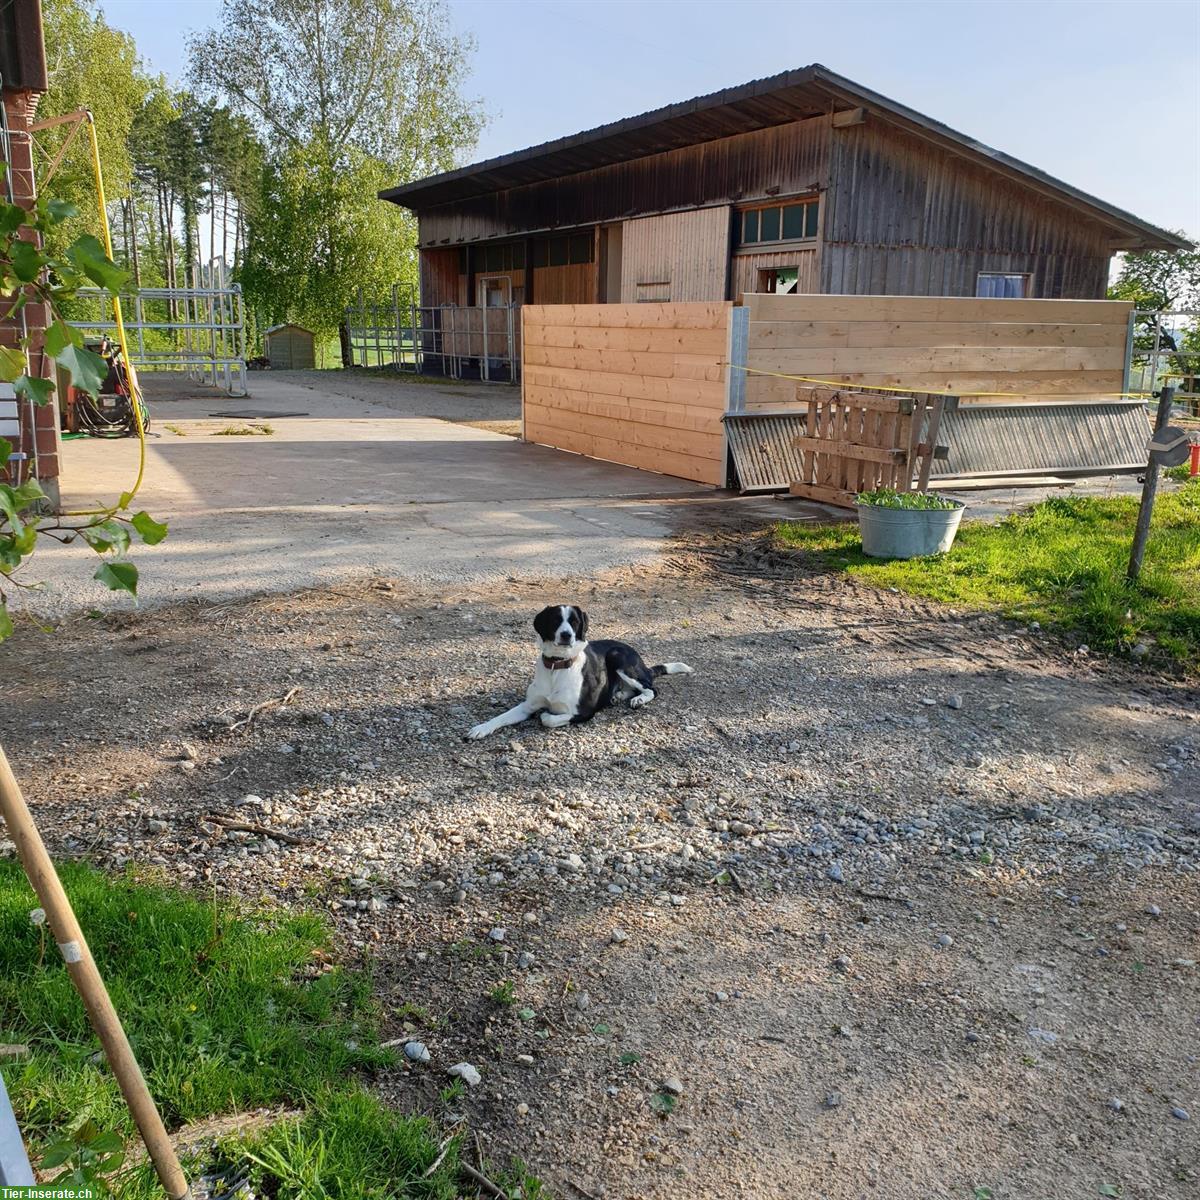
(903, 217)
(687, 252)
(1064, 439)
(788, 158)
(764, 451)
(997, 439)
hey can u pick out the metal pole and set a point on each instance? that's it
(81, 967)
(483, 316)
(1141, 531)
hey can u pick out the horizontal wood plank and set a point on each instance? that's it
(663, 462)
(935, 308)
(699, 315)
(839, 449)
(646, 412)
(692, 392)
(839, 362)
(692, 442)
(664, 341)
(662, 365)
(804, 335)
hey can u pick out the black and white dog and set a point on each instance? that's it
(575, 678)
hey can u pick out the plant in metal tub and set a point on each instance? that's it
(907, 524)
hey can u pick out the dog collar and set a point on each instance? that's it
(558, 664)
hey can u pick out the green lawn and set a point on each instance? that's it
(226, 1010)
(1062, 563)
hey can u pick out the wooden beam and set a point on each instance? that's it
(849, 116)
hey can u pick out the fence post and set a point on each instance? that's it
(1166, 400)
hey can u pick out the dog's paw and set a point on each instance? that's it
(476, 732)
(641, 698)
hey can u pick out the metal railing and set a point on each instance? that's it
(459, 341)
(1164, 348)
(199, 329)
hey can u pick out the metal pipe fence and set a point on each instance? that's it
(1164, 349)
(460, 341)
(199, 329)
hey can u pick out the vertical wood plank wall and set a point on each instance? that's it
(1015, 347)
(639, 384)
(682, 254)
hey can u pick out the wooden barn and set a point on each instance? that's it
(801, 183)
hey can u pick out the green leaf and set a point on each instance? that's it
(5, 450)
(37, 390)
(663, 1103)
(10, 556)
(1109, 1189)
(58, 211)
(601, 1029)
(12, 217)
(119, 576)
(26, 260)
(106, 536)
(12, 364)
(629, 1058)
(88, 255)
(59, 336)
(6, 625)
(56, 1155)
(108, 1142)
(27, 493)
(526, 1014)
(149, 530)
(87, 370)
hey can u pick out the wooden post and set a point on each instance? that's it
(1166, 399)
(43, 878)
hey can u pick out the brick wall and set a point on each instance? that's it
(38, 440)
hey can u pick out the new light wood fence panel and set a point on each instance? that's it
(638, 384)
(1019, 348)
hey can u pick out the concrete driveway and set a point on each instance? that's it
(354, 478)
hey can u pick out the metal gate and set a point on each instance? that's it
(199, 330)
(469, 341)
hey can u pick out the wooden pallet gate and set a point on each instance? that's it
(857, 441)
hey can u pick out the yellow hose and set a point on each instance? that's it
(135, 395)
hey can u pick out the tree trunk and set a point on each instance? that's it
(344, 343)
(133, 245)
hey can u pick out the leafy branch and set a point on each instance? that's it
(31, 275)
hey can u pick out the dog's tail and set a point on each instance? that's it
(671, 669)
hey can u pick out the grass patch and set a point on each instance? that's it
(255, 430)
(227, 1009)
(1061, 562)
(175, 430)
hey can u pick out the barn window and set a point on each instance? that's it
(563, 250)
(792, 222)
(1000, 285)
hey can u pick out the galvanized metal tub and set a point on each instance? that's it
(907, 532)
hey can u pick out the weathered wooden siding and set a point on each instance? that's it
(639, 384)
(685, 254)
(903, 217)
(792, 158)
(747, 266)
(1018, 348)
(441, 282)
(577, 283)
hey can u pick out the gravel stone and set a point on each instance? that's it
(467, 1073)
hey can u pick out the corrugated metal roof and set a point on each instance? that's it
(777, 100)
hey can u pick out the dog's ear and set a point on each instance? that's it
(583, 623)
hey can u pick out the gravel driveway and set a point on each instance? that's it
(885, 901)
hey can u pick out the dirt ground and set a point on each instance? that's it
(885, 901)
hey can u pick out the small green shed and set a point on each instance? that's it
(290, 348)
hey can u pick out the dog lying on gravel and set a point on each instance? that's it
(574, 678)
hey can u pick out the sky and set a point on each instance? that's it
(1103, 94)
